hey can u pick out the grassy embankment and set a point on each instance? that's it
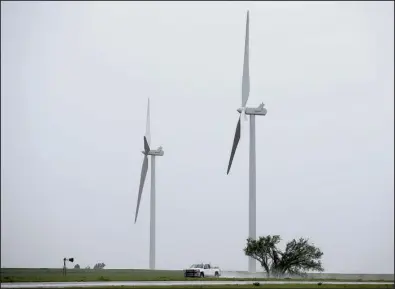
(75, 275)
(279, 286)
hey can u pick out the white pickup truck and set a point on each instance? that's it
(202, 270)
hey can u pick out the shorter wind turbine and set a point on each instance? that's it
(153, 153)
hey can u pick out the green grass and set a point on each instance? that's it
(348, 286)
(75, 275)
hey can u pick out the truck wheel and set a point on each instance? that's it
(202, 275)
(216, 274)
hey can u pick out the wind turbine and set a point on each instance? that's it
(252, 112)
(153, 153)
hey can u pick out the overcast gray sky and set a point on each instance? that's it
(75, 79)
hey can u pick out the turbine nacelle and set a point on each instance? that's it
(158, 152)
(260, 110)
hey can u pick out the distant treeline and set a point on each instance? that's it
(97, 266)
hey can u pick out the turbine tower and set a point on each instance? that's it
(252, 112)
(153, 153)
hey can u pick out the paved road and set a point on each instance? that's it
(159, 283)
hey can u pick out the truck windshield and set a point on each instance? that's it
(197, 266)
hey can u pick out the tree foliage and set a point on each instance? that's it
(99, 266)
(77, 266)
(298, 257)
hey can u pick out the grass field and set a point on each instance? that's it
(75, 275)
(346, 286)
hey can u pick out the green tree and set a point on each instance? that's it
(99, 266)
(298, 257)
(77, 266)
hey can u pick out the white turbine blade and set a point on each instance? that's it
(147, 128)
(144, 170)
(246, 67)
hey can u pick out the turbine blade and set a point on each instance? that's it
(147, 128)
(235, 143)
(246, 66)
(146, 146)
(144, 170)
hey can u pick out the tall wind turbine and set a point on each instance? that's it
(252, 112)
(153, 153)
